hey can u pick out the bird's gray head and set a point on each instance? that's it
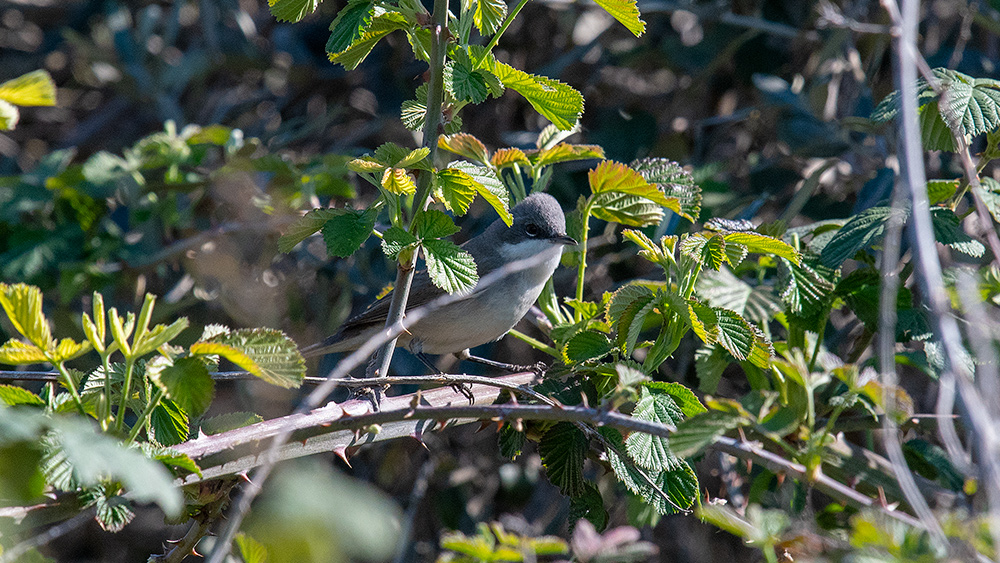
(537, 218)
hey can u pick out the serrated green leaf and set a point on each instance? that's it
(948, 231)
(710, 362)
(466, 145)
(395, 240)
(934, 132)
(625, 296)
(860, 232)
(35, 88)
(562, 449)
(266, 353)
(450, 268)
(13, 395)
(113, 513)
(723, 289)
(413, 158)
(735, 334)
(504, 158)
(674, 181)
(366, 164)
(465, 83)
(586, 345)
(802, 288)
(292, 10)
(648, 451)
(557, 102)
(454, 189)
(699, 432)
(350, 24)
(488, 15)
(679, 482)
(398, 181)
(251, 550)
(625, 209)
(611, 176)
(763, 244)
(305, 226)
(631, 323)
(228, 421)
(940, 190)
(626, 12)
(169, 423)
(344, 233)
(511, 441)
(565, 152)
(684, 398)
(16, 352)
(433, 224)
(185, 381)
(23, 305)
(590, 506)
(488, 185)
(381, 25)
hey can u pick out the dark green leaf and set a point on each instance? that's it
(511, 441)
(450, 268)
(735, 334)
(590, 506)
(948, 231)
(349, 25)
(380, 26)
(697, 433)
(432, 224)
(185, 381)
(344, 234)
(648, 451)
(169, 423)
(586, 345)
(860, 232)
(292, 10)
(562, 450)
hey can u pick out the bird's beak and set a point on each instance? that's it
(565, 239)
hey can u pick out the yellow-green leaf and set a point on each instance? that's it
(465, 145)
(557, 102)
(566, 152)
(611, 176)
(23, 305)
(32, 89)
(67, 349)
(509, 157)
(397, 181)
(16, 352)
(626, 12)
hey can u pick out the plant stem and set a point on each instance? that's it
(106, 415)
(534, 343)
(144, 418)
(582, 269)
(126, 390)
(499, 33)
(71, 386)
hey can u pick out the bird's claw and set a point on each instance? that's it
(372, 394)
(538, 368)
(465, 390)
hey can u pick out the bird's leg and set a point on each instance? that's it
(538, 368)
(461, 388)
(371, 394)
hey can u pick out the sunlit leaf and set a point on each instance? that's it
(344, 233)
(557, 102)
(266, 353)
(185, 381)
(586, 345)
(381, 25)
(626, 12)
(350, 24)
(450, 268)
(466, 145)
(35, 88)
(488, 185)
(291, 10)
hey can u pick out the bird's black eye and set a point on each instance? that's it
(532, 230)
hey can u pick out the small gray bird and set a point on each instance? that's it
(488, 313)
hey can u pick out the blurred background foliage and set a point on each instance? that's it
(187, 134)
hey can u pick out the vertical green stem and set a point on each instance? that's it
(144, 419)
(126, 391)
(106, 415)
(582, 269)
(71, 386)
(499, 33)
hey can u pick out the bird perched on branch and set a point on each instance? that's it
(530, 249)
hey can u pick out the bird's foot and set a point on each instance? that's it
(372, 394)
(465, 390)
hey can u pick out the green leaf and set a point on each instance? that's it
(762, 244)
(228, 421)
(679, 482)
(723, 289)
(948, 231)
(23, 305)
(990, 193)
(454, 189)
(112, 513)
(586, 345)
(398, 181)
(350, 24)
(395, 240)
(16, 352)
(466, 145)
(185, 381)
(95, 457)
(625, 209)
(169, 423)
(611, 176)
(562, 450)
(160, 335)
(13, 395)
(590, 506)
(465, 82)
(941, 190)
(934, 132)
(266, 353)
(450, 268)
(802, 288)
(35, 88)
(251, 550)
(557, 102)
(305, 226)
(648, 451)
(292, 10)
(735, 334)
(391, 154)
(685, 399)
(504, 158)
(381, 25)
(414, 159)
(488, 15)
(626, 12)
(344, 233)
(699, 432)
(565, 152)
(862, 231)
(432, 224)
(674, 181)
(488, 185)
(511, 441)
